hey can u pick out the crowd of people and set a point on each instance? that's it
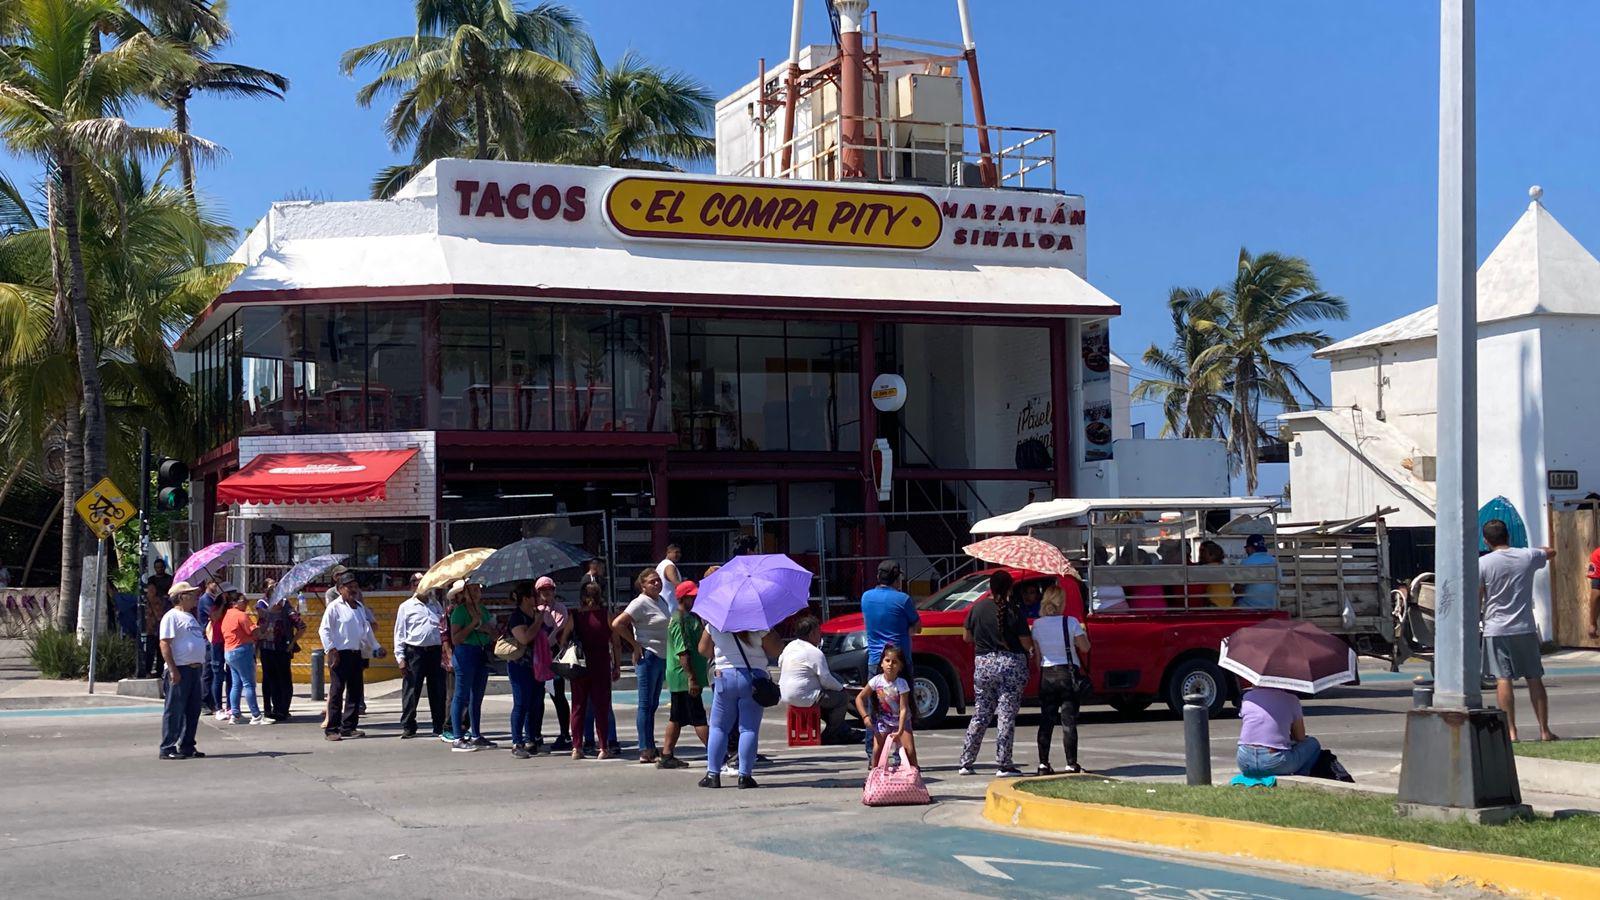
(212, 639)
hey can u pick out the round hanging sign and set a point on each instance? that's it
(888, 392)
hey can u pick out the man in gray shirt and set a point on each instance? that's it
(1510, 635)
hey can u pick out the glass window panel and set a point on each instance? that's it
(265, 362)
(336, 373)
(394, 366)
(522, 363)
(822, 394)
(585, 395)
(466, 399)
(685, 384)
(763, 399)
(641, 366)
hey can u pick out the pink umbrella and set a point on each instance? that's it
(207, 562)
(1021, 551)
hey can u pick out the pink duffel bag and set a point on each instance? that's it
(894, 785)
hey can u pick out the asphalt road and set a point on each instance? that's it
(86, 809)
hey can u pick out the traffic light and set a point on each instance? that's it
(172, 485)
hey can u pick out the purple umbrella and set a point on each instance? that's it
(207, 562)
(753, 593)
(302, 574)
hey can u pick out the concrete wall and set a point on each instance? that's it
(1571, 371)
(1408, 395)
(1328, 482)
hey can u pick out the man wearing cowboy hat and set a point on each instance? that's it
(184, 648)
(346, 631)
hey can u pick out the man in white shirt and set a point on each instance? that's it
(346, 631)
(419, 653)
(804, 680)
(668, 570)
(185, 648)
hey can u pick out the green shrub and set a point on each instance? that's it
(115, 658)
(58, 654)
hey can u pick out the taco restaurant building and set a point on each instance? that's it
(515, 339)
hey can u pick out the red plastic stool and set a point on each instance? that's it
(805, 726)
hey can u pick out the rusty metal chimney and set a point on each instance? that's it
(852, 102)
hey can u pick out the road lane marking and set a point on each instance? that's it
(984, 865)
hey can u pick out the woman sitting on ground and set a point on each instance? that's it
(1272, 739)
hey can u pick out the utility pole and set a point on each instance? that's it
(1458, 761)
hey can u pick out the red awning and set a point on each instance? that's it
(314, 477)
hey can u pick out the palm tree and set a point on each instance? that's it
(1264, 313)
(61, 96)
(200, 30)
(633, 115)
(1192, 395)
(474, 68)
(145, 247)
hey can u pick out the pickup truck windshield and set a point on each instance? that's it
(956, 594)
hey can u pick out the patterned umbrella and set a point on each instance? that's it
(753, 593)
(1021, 551)
(207, 562)
(1294, 656)
(302, 575)
(457, 565)
(528, 559)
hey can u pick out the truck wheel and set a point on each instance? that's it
(1131, 706)
(1197, 675)
(932, 696)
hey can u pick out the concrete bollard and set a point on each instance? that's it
(1421, 692)
(1197, 739)
(318, 693)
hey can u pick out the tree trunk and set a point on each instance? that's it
(1245, 429)
(71, 528)
(480, 113)
(94, 401)
(180, 121)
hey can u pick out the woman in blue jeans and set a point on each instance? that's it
(642, 626)
(1272, 738)
(739, 659)
(471, 635)
(526, 627)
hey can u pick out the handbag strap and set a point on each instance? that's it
(890, 742)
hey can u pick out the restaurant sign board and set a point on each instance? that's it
(750, 211)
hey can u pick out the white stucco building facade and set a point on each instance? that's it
(1538, 408)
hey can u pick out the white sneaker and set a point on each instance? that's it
(966, 770)
(730, 769)
(1012, 772)
(260, 720)
(223, 715)
(237, 720)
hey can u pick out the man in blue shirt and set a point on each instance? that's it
(890, 616)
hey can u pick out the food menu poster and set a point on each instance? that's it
(1096, 352)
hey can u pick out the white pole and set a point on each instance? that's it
(794, 32)
(966, 25)
(1457, 656)
(94, 623)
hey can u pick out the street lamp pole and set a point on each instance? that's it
(1458, 761)
(1456, 647)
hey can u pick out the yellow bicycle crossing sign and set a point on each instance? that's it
(104, 508)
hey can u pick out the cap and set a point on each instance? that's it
(337, 570)
(344, 577)
(888, 571)
(181, 587)
(229, 587)
(545, 581)
(1255, 542)
(687, 589)
(456, 589)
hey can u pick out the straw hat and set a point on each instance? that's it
(181, 587)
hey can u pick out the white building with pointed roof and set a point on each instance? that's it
(1538, 402)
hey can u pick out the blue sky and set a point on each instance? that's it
(1191, 128)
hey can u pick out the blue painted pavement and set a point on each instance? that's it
(1002, 865)
(86, 711)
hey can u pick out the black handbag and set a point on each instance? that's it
(762, 689)
(1081, 686)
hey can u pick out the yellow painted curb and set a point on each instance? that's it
(1380, 857)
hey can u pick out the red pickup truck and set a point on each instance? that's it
(1136, 656)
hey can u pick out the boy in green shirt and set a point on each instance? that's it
(686, 676)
